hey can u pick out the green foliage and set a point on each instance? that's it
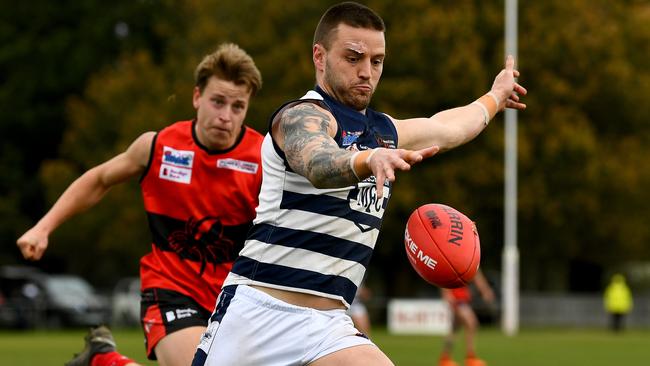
(48, 50)
(582, 141)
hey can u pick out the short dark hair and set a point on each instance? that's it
(348, 13)
(231, 63)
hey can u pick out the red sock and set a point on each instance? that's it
(110, 359)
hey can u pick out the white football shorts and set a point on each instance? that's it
(252, 328)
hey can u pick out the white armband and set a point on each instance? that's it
(352, 158)
(486, 114)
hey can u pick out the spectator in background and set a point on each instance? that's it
(618, 302)
(463, 315)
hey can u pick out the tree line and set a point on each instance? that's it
(80, 80)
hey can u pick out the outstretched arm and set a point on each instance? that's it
(305, 133)
(454, 127)
(85, 192)
(483, 287)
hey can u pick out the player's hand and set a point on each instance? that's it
(384, 163)
(32, 244)
(507, 89)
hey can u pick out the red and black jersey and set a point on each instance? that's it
(200, 205)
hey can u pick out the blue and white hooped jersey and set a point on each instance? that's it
(310, 240)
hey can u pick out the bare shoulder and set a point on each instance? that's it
(128, 164)
(140, 149)
(301, 119)
(144, 139)
(308, 115)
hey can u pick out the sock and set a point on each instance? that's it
(471, 355)
(110, 359)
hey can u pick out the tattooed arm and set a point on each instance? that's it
(305, 133)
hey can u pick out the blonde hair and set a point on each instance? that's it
(231, 63)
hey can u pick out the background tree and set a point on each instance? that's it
(582, 141)
(48, 50)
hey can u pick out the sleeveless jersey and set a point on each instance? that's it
(310, 240)
(200, 204)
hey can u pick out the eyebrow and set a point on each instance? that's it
(355, 51)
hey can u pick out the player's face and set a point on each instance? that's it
(220, 112)
(354, 64)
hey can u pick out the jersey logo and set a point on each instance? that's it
(364, 199)
(349, 137)
(204, 240)
(176, 165)
(180, 158)
(386, 141)
(238, 165)
(172, 315)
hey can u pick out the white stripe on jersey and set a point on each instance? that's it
(303, 259)
(334, 226)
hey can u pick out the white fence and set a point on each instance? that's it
(431, 316)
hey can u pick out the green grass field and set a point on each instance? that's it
(556, 347)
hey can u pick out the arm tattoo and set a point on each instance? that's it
(310, 150)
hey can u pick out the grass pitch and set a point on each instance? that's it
(548, 347)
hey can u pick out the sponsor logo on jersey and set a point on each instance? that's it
(349, 137)
(181, 158)
(238, 165)
(176, 165)
(175, 174)
(385, 141)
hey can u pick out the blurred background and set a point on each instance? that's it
(79, 80)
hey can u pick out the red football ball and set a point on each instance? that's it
(442, 245)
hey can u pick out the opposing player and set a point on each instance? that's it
(459, 300)
(200, 181)
(329, 162)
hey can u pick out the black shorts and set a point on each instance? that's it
(163, 312)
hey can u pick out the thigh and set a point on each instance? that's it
(166, 312)
(178, 348)
(361, 355)
(466, 315)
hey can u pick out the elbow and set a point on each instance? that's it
(310, 172)
(318, 180)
